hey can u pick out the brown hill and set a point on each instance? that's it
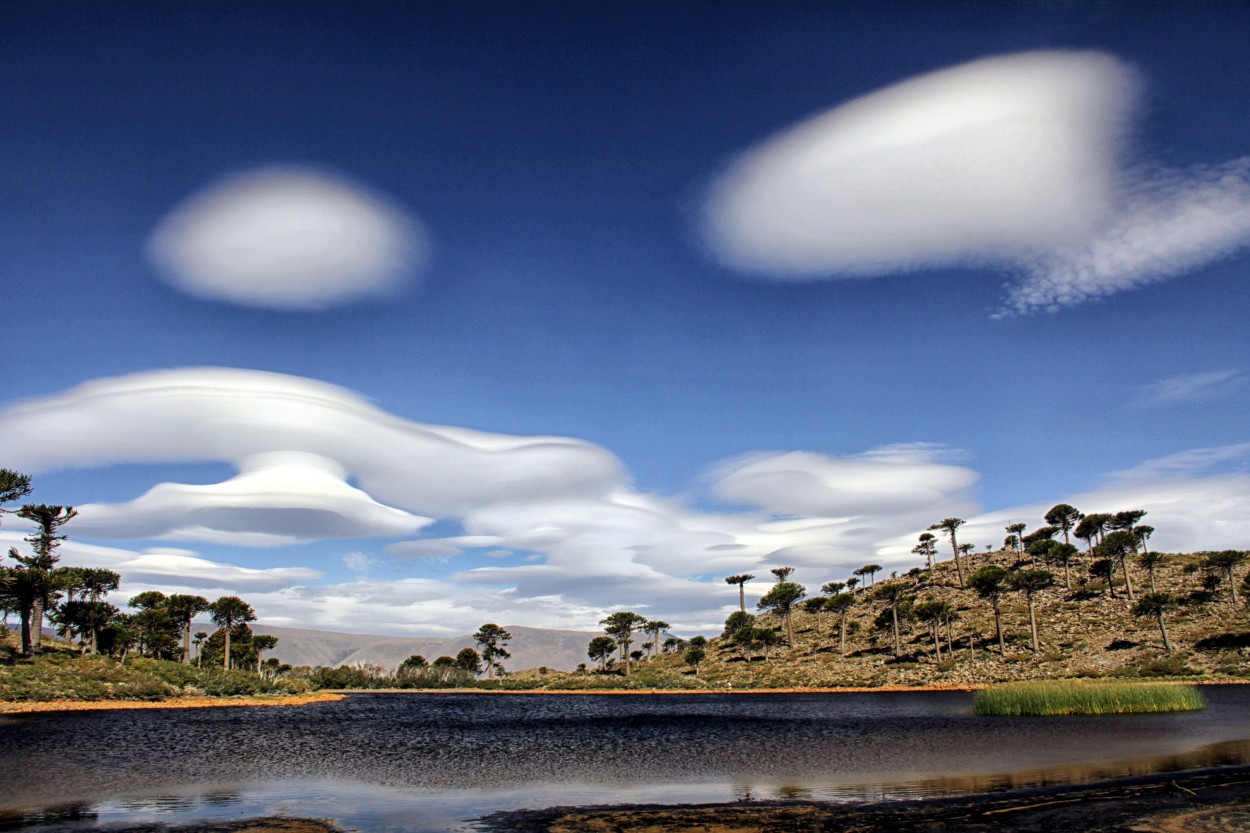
(1083, 632)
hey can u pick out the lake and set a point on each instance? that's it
(434, 762)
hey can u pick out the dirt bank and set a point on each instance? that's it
(22, 707)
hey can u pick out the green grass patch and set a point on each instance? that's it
(1078, 697)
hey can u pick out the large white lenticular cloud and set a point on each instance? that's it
(1015, 161)
(287, 238)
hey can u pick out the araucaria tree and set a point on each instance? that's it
(491, 641)
(893, 594)
(33, 579)
(227, 612)
(949, 525)
(990, 582)
(1119, 546)
(600, 650)
(868, 570)
(621, 626)
(655, 627)
(182, 609)
(1065, 517)
(1156, 604)
(1030, 583)
(1226, 562)
(779, 599)
(840, 605)
(1015, 534)
(740, 580)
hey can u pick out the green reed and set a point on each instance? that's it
(1070, 697)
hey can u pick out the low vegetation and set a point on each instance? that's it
(1079, 697)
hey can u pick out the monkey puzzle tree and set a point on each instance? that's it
(1062, 554)
(1143, 534)
(1150, 562)
(782, 573)
(926, 546)
(1065, 517)
(491, 640)
(1104, 568)
(930, 613)
(33, 576)
(990, 583)
(894, 595)
(261, 642)
(740, 580)
(948, 526)
(655, 627)
(1226, 562)
(1015, 534)
(621, 626)
(1156, 604)
(227, 612)
(1030, 583)
(1119, 546)
(182, 608)
(600, 650)
(840, 605)
(694, 657)
(780, 599)
(469, 660)
(868, 570)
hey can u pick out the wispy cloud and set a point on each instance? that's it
(1189, 387)
(287, 238)
(1016, 162)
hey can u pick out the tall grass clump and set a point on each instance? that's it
(1072, 697)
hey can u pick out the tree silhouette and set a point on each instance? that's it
(779, 599)
(840, 605)
(1016, 536)
(469, 660)
(948, 526)
(893, 594)
(1143, 534)
(990, 582)
(621, 626)
(1062, 554)
(491, 641)
(1104, 568)
(227, 612)
(656, 627)
(1226, 562)
(694, 657)
(869, 570)
(782, 573)
(33, 577)
(182, 609)
(930, 613)
(1118, 546)
(1065, 517)
(740, 580)
(261, 642)
(927, 547)
(1156, 604)
(1150, 561)
(1030, 583)
(600, 650)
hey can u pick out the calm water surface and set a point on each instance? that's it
(432, 762)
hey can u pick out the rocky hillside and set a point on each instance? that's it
(1082, 631)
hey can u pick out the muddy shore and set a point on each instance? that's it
(1198, 802)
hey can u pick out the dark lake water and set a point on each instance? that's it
(433, 762)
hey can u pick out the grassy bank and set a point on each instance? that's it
(59, 674)
(1078, 697)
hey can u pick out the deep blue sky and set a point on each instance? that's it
(559, 155)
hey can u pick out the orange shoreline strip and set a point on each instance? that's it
(24, 707)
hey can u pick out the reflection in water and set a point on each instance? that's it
(428, 762)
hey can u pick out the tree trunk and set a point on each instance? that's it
(843, 634)
(25, 617)
(998, 626)
(186, 643)
(1151, 574)
(959, 568)
(1067, 582)
(225, 658)
(1032, 624)
(1167, 643)
(937, 642)
(894, 613)
(789, 631)
(1232, 583)
(36, 626)
(1128, 580)
(742, 601)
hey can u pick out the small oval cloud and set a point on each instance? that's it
(287, 238)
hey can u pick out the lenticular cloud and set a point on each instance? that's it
(287, 238)
(1015, 161)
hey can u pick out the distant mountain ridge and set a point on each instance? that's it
(530, 647)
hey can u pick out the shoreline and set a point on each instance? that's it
(199, 702)
(1214, 800)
